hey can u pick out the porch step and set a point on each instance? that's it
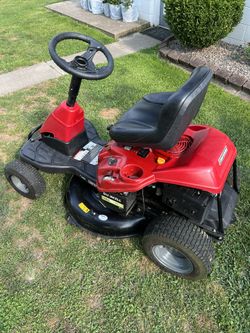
(115, 29)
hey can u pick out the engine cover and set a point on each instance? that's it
(204, 163)
(189, 202)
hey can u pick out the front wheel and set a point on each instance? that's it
(179, 247)
(25, 179)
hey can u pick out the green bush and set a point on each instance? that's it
(200, 23)
(114, 2)
(247, 53)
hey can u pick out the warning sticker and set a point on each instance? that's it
(83, 207)
(80, 155)
(89, 153)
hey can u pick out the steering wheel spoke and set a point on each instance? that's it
(82, 66)
(91, 66)
(90, 53)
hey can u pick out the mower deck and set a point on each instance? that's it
(87, 212)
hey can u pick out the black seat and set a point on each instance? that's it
(159, 120)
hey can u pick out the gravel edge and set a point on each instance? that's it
(193, 59)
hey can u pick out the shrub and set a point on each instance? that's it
(247, 53)
(200, 23)
(114, 2)
(127, 3)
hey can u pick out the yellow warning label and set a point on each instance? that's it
(83, 207)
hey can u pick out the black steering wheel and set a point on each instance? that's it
(82, 66)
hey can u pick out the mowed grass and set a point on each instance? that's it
(56, 278)
(27, 26)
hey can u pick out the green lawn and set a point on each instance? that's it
(56, 278)
(27, 26)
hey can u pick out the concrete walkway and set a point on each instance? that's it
(29, 76)
(113, 28)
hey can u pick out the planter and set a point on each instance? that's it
(106, 10)
(115, 12)
(130, 14)
(96, 7)
(84, 4)
(90, 5)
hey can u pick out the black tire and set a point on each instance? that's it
(179, 247)
(25, 179)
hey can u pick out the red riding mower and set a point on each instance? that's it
(160, 177)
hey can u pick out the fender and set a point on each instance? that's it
(204, 163)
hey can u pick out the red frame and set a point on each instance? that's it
(204, 165)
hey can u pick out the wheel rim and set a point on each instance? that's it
(172, 259)
(19, 184)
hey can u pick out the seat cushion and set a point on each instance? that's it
(159, 120)
(139, 125)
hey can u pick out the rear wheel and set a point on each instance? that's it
(25, 179)
(179, 247)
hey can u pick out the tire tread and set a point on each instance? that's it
(184, 232)
(30, 174)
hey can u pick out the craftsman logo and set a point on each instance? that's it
(113, 202)
(223, 155)
(107, 195)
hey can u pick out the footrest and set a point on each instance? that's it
(45, 158)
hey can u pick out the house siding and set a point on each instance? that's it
(149, 10)
(241, 33)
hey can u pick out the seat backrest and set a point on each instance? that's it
(183, 105)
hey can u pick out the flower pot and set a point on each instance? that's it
(90, 5)
(106, 10)
(96, 6)
(115, 12)
(84, 4)
(130, 14)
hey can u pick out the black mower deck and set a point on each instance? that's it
(87, 212)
